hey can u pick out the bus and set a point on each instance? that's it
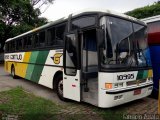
(95, 56)
(153, 24)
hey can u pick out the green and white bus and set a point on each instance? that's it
(94, 56)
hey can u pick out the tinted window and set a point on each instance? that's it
(13, 46)
(71, 55)
(140, 35)
(9, 46)
(36, 40)
(51, 36)
(42, 39)
(120, 29)
(6, 47)
(25, 42)
(29, 42)
(60, 34)
(18, 44)
(83, 22)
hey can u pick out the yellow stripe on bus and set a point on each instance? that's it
(150, 73)
(22, 67)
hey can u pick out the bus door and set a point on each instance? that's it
(71, 77)
(89, 66)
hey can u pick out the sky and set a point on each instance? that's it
(61, 8)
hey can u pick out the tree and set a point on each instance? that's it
(147, 11)
(39, 3)
(16, 17)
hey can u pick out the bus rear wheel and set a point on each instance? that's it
(13, 72)
(59, 87)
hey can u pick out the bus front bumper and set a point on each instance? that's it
(109, 99)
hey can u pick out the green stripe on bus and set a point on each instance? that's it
(140, 74)
(30, 67)
(41, 59)
(145, 74)
(29, 71)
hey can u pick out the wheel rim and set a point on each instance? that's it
(60, 87)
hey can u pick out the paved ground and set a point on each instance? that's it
(143, 106)
(7, 82)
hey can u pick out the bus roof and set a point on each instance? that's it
(76, 14)
(151, 19)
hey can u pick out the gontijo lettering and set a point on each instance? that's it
(14, 57)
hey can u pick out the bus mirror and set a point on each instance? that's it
(100, 36)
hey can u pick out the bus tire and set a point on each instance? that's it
(59, 87)
(13, 72)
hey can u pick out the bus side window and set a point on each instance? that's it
(35, 38)
(25, 42)
(19, 44)
(13, 46)
(51, 36)
(7, 47)
(60, 29)
(16, 43)
(29, 42)
(42, 39)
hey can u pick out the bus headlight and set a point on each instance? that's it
(118, 85)
(113, 85)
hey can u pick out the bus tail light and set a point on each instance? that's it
(108, 85)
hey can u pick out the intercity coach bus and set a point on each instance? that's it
(153, 28)
(95, 56)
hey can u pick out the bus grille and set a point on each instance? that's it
(136, 82)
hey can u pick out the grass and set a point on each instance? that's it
(27, 106)
(111, 113)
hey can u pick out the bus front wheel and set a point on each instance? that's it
(59, 87)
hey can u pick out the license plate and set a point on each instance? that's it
(137, 92)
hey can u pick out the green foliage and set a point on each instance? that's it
(147, 11)
(26, 105)
(18, 16)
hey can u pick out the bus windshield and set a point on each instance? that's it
(125, 44)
